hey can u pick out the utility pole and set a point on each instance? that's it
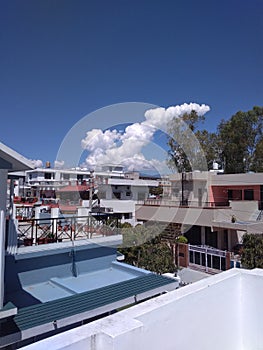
(91, 189)
(183, 183)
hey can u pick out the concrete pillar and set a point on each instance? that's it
(229, 239)
(3, 189)
(11, 199)
(54, 215)
(3, 197)
(37, 212)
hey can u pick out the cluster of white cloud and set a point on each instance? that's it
(113, 146)
(37, 163)
(59, 164)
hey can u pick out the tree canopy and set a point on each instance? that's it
(185, 153)
(241, 139)
(237, 144)
(252, 252)
(143, 247)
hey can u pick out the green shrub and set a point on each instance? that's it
(181, 239)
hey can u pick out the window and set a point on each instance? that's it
(65, 176)
(127, 216)
(234, 194)
(249, 194)
(117, 195)
(48, 176)
(210, 237)
(141, 196)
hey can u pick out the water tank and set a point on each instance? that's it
(215, 165)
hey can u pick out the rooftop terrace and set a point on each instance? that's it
(220, 312)
(60, 285)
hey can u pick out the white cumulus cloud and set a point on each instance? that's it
(160, 117)
(59, 164)
(113, 146)
(37, 163)
(97, 139)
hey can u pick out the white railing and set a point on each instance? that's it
(208, 257)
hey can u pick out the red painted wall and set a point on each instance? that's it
(219, 193)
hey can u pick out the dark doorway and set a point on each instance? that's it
(194, 235)
(210, 237)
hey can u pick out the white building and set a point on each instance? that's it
(123, 194)
(45, 181)
(220, 312)
(10, 161)
(116, 189)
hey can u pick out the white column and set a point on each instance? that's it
(11, 199)
(37, 212)
(3, 197)
(54, 214)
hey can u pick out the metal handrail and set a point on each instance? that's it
(49, 230)
(187, 203)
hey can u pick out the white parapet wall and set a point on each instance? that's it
(220, 312)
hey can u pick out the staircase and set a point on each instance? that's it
(171, 232)
(257, 215)
(260, 215)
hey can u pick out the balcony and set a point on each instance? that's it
(183, 203)
(34, 232)
(211, 214)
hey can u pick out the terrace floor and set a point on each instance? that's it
(56, 288)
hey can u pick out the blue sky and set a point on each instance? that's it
(61, 60)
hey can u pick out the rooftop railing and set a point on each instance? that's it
(184, 203)
(51, 230)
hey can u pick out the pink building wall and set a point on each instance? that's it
(219, 194)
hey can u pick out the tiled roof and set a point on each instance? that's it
(74, 188)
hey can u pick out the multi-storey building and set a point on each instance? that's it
(212, 209)
(47, 288)
(115, 189)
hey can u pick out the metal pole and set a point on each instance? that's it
(2, 257)
(3, 198)
(183, 188)
(91, 190)
(206, 263)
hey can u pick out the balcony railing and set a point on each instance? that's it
(185, 203)
(51, 230)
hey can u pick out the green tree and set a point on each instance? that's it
(185, 153)
(143, 247)
(252, 252)
(157, 256)
(211, 145)
(237, 144)
(241, 137)
(157, 191)
(257, 162)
